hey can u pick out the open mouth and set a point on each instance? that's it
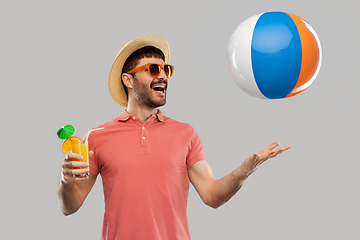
(159, 88)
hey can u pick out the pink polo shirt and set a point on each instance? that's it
(143, 167)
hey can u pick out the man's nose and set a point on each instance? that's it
(162, 74)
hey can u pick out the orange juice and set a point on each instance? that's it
(82, 149)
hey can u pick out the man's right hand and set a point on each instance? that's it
(73, 168)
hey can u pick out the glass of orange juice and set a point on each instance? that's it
(83, 150)
(75, 144)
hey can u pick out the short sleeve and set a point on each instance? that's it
(195, 153)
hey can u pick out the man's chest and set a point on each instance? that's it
(141, 151)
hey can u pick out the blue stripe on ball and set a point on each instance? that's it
(276, 54)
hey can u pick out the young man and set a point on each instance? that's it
(147, 160)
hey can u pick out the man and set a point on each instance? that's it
(147, 160)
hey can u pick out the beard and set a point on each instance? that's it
(144, 95)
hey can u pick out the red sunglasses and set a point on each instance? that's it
(154, 69)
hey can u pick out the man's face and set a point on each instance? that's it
(149, 91)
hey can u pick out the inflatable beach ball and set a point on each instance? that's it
(274, 55)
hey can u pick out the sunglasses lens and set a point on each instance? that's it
(168, 70)
(154, 70)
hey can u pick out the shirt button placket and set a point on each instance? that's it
(143, 136)
(144, 142)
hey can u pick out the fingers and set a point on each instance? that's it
(74, 178)
(279, 151)
(73, 156)
(271, 151)
(286, 148)
(73, 160)
(273, 145)
(73, 169)
(75, 164)
(74, 174)
(255, 160)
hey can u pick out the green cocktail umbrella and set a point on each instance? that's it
(65, 131)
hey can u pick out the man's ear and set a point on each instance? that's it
(127, 80)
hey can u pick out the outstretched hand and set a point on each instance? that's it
(254, 161)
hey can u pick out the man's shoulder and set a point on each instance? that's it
(104, 128)
(109, 123)
(179, 124)
(174, 121)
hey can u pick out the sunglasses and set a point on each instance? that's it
(154, 69)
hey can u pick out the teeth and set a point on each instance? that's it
(159, 86)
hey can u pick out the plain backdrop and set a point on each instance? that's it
(55, 60)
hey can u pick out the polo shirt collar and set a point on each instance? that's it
(124, 116)
(160, 116)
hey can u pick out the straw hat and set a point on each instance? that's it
(116, 88)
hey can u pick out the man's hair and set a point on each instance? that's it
(133, 60)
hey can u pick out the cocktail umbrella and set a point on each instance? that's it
(65, 131)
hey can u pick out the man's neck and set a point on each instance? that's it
(142, 112)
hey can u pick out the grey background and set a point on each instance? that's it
(57, 53)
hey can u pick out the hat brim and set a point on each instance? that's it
(115, 85)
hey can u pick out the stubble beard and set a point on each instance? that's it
(143, 94)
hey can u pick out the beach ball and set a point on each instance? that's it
(274, 55)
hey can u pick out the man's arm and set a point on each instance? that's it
(72, 190)
(215, 192)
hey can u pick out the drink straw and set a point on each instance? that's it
(95, 129)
